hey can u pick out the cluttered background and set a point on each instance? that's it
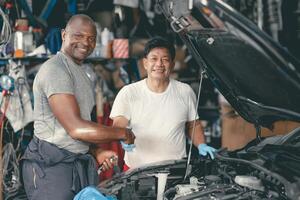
(30, 34)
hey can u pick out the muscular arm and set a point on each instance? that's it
(65, 108)
(198, 135)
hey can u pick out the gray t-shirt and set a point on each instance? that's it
(56, 76)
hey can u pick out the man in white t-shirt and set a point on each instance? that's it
(159, 110)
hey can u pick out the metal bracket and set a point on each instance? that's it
(178, 24)
(258, 132)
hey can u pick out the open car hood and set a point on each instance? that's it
(258, 77)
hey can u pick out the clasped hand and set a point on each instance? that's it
(128, 144)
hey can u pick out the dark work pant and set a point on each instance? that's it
(54, 183)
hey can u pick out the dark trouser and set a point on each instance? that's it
(52, 173)
(54, 184)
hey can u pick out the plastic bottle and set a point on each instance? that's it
(18, 44)
(106, 38)
(28, 43)
(98, 47)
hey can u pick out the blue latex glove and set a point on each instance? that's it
(127, 147)
(204, 149)
(90, 193)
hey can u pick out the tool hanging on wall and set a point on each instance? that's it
(274, 17)
(5, 30)
(260, 14)
(7, 86)
(41, 20)
(297, 13)
(20, 111)
(9, 156)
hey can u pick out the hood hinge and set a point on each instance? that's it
(178, 24)
(258, 132)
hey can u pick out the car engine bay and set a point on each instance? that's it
(267, 170)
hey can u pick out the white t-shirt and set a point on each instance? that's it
(157, 120)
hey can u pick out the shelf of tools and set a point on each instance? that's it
(11, 134)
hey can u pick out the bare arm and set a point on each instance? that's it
(198, 135)
(65, 108)
(120, 122)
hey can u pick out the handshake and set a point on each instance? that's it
(128, 143)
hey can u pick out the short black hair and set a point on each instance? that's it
(159, 42)
(83, 17)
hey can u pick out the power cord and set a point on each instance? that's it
(11, 186)
(5, 29)
(11, 174)
(5, 101)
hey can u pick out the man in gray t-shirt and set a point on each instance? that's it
(56, 164)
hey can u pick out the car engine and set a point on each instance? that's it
(267, 170)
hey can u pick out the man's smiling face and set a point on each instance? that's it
(158, 64)
(79, 40)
